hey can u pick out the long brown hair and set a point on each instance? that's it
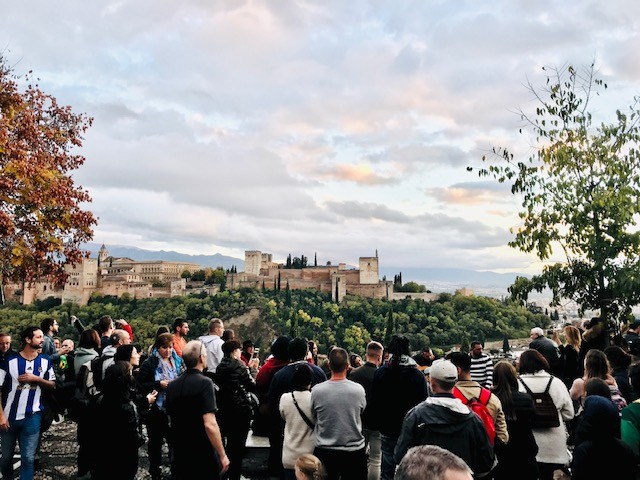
(573, 337)
(504, 382)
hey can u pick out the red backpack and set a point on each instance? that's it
(479, 407)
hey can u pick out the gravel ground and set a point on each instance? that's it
(59, 450)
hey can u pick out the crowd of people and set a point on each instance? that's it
(568, 403)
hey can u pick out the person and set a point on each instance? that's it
(599, 431)
(551, 441)
(336, 407)
(180, 331)
(191, 405)
(49, 327)
(518, 457)
(117, 338)
(67, 346)
(481, 365)
(430, 462)
(87, 350)
(157, 372)
(630, 417)
(313, 349)
(620, 362)
(468, 389)
(105, 329)
(123, 430)
(283, 383)
(594, 336)
(570, 355)
(227, 335)
(355, 361)
(122, 324)
(278, 359)
(213, 343)
(547, 348)
(23, 378)
(397, 387)
(633, 339)
(596, 365)
(5, 347)
(159, 331)
(235, 413)
(295, 410)
(444, 421)
(247, 352)
(309, 467)
(364, 376)
(424, 359)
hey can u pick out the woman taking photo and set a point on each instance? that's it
(552, 441)
(570, 355)
(156, 372)
(234, 410)
(518, 457)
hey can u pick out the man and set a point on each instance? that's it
(283, 383)
(180, 331)
(428, 462)
(424, 359)
(213, 344)
(397, 387)
(444, 421)
(336, 407)
(117, 338)
(547, 348)
(469, 389)
(633, 339)
(49, 327)
(191, 405)
(105, 329)
(22, 378)
(481, 366)
(67, 346)
(5, 347)
(364, 376)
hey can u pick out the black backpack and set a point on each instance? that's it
(545, 413)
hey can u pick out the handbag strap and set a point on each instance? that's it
(302, 414)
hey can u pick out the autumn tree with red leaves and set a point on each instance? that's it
(42, 224)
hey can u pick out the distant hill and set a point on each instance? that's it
(136, 253)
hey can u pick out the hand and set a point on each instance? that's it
(151, 397)
(4, 423)
(224, 463)
(28, 378)
(164, 384)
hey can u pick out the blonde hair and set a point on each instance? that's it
(311, 467)
(573, 337)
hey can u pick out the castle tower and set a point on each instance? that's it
(369, 271)
(252, 262)
(103, 254)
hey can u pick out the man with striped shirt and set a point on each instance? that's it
(481, 366)
(23, 376)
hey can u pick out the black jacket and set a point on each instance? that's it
(549, 351)
(231, 375)
(463, 434)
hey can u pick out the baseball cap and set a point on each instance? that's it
(443, 370)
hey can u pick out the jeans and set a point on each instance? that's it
(372, 444)
(388, 445)
(26, 432)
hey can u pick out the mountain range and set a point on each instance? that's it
(436, 279)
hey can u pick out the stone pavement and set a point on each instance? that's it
(59, 450)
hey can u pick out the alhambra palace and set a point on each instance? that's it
(118, 276)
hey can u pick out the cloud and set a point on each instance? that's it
(472, 193)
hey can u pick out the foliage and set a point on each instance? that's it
(42, 224)
(580, 193)
(411, 287)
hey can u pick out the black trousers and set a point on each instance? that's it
(158, 432)
(234, 427)
(343, 465)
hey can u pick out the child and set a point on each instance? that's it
(308, 467)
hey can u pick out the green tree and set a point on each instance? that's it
(186, 274)
(580, 194)
(464, 343)
(388, 332)
(198, 276)
(42, 224)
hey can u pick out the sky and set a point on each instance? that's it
(336, 127)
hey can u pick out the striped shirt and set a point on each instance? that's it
(482, 370)
(22, 399)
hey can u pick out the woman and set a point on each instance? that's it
(519, 455)
(87, 350)
(298, 434)
(123, 431)
(570, 355)
(355, 361)
(309, 467)
(620, 361)
(313, 350)
(552, 441)
(596, 365)
(156, 372)
(234, 411)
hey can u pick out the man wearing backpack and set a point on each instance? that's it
(443, 420)
(479, 399)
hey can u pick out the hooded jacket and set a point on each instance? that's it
(444, 421)
(82, 356)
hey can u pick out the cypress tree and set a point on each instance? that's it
(389, 330)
